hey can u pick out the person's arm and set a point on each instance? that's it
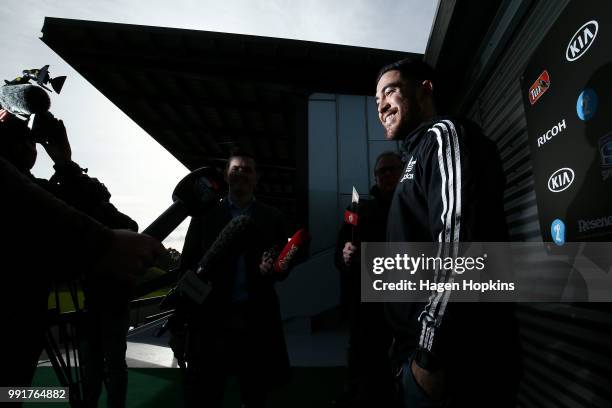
(61, 241)
(69, 179)
(88, 194)
(344, 237)
(444, 181)
(71, 184)
(39, 220)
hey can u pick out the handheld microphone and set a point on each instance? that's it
(296, 246)
(232, 239)
(24, 100)
(351, 216)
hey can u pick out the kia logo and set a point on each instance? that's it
(561, 180)
(581, 41)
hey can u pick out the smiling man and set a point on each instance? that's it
(237, 331)
(451, 190)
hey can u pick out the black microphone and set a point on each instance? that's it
(231, 240)
(195, 194)
(25, 99)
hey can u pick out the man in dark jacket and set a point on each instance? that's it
(49, 241)
(237, 331)
(451, 191)
(370, 380)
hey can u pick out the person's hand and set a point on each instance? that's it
(56, 141)
(349, 253)
(130, 254)
(433, 383)
(266, 267)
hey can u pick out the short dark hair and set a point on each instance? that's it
(410, 69)
(240, 152)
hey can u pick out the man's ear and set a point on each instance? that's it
(424, 91)
(428, 86)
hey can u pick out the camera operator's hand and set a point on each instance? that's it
(130, 254)
(55, 140)
(350, 253)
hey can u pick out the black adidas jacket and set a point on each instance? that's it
(451, 190)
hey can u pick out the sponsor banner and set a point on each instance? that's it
(595, 224)
(557, 232)
(539, 87)
(561, 180)
(488, 271)
(567, 94)
(552, 132)
(582, 40)
(587, 104)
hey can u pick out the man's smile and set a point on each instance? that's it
(390, 117)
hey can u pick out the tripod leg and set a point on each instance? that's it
(75, 340)
(55, 358)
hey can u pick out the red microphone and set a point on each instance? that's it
(291, 252)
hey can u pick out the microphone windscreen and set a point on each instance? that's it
(24, 99)
(232, 237)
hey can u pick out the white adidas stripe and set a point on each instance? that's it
(450, 170)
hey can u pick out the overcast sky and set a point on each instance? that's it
(139, 173)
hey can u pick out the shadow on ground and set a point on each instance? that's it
(311, 387)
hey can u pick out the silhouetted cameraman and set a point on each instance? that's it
(73, 187)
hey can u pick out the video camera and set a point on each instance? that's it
(24, 100)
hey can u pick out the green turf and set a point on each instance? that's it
(311, 387)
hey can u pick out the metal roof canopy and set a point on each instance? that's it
(199, 93)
